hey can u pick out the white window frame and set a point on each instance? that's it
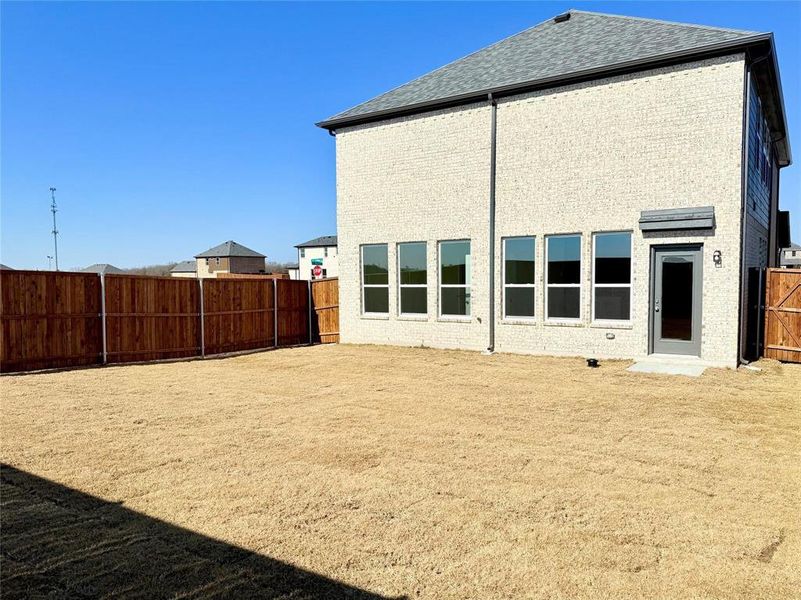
(466, 286)
(373, 285)
(613, 285)
(410, 285)
(578, 285)
(505, 285)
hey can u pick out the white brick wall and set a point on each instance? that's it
(577, 159)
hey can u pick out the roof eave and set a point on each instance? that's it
(720, 48)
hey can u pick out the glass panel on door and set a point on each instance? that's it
(677, 298)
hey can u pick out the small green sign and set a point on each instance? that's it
(317, 261)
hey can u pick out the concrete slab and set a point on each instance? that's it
(668, 367)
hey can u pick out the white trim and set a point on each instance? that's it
(504, 285)
(373, 285)
(564, 320)
(468, 287)
(629, 285)
(418, 315)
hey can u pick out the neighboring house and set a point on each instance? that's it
(229, 257)
(293, 271)
(317, 258)
(103, 269)
(185, 268)
(596, 185)
(5, 267)
(791, 256)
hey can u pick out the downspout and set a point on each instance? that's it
(491, 290)
(743, 206)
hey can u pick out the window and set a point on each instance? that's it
(303, 252)
(611, 277)
(217, 260)
(563, 277)
(454, 278)
(518, 277)
(325, 252)
(325, 273)
(412, 280)
(375, 279)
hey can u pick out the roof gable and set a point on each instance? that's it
(585, 41)
(229, 248)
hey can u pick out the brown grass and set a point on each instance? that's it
(443, 474)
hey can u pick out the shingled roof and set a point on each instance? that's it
(102, 268)
(229, 248)
(559, 49)
(319, 242)
(185, 266)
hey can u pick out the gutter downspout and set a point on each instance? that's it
(491, 290)
(743, 205)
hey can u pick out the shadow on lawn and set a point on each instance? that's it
(58, 542)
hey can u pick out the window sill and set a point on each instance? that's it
(446, 319)
(564, 323)
(375, 316)
(519, 321)
(612, 325)
(413, 317)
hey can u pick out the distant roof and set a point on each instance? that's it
(291, 266)
(326, 240)
(792, 246)
(5, 267)
(103, 268)
(185, 266)
(229, 248)
(563, 47)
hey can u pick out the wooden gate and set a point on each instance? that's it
(325, 299)
(783, 315)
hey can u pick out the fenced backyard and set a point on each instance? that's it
(342, 471)
(61, 319)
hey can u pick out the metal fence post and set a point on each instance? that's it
(202, 321)
(308, 281)
(103, 316)
(275, 312)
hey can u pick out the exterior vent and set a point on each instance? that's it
(702, 217)
(561, 18)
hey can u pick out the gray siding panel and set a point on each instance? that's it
(758, 196)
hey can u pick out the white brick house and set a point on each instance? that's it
(594, 186)
(317, 258)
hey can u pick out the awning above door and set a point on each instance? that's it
(702, 217)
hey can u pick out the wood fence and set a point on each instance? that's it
(57, 319)
(783, 315)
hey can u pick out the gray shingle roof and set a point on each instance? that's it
(5, 267)
(229, 248)
(319, 242)
(103, 268)
(587, 41)
(185, 266)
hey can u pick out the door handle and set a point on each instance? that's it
(656, 309)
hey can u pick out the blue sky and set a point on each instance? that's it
(169, 128)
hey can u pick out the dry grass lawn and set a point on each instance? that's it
(417, 473)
